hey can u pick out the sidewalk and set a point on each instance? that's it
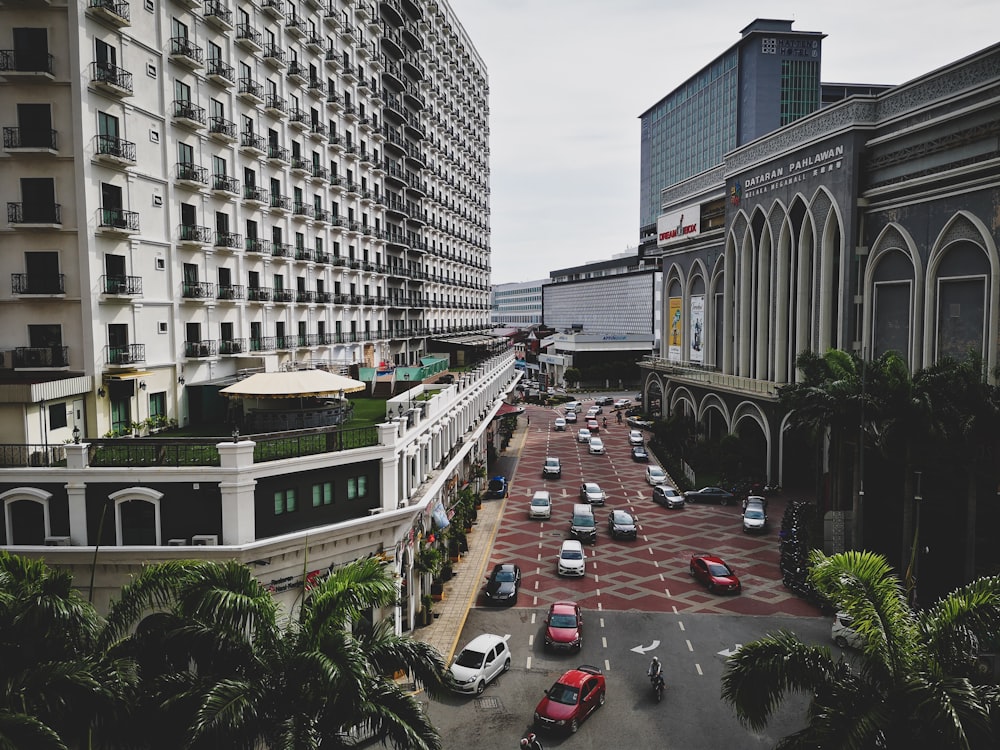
(461, 591)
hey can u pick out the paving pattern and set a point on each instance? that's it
(651, 573)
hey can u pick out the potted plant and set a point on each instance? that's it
(437, 590)
(426, 612)
(429, 560)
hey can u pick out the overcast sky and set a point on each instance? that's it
(569, 79)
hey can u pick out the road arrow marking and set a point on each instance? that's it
(643, 649)
(727, 652)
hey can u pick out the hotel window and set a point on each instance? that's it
(357, 487)
(284, 502)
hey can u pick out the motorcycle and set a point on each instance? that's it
(659, 685)
(531, 742)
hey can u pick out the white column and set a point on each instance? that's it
(238, 517)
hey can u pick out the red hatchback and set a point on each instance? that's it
(715, 574)
(564, 627)
(572, 698)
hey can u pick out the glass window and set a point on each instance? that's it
(57, 416)
(357, 487)
(322, 494)
(158, 404)
(284, 502)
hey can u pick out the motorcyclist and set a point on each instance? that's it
(605, 421)
(655, 669)
(531, 742)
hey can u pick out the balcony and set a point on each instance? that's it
(217, 14)
(299, 118)
(305, 296)
(283, 295)
(191, 174)
(113, 150)
(247, 36)
(192, 234)
(259, 294)
(254, 194)
(114, 12)
(28, 140)
(281, 203)
(317, 130)
(297, 71)
(274, 8)
(302, 210)
(230, 293)
(323, 297)
(281, 250)
(251, 91)
(222, 129)
(221, 72)
(187, 114)
(263, 344)
(232, 346)
(35, 215)
(37, 283)
(320, 173)
(301, 165)
(26, 64)
(225, 185)
(296, 27)
(303, 253)
(200, 349)
(121, 286)
(258, 245)
(185, 52)
(41, 357)
(124, 355)
(111, 79)
(198, 290)
(274, 55)
(275, 105)
(321, 215)
(252, 143)
(228, 240)
(278, 153)
(117, 220)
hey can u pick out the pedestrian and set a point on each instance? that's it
(528, 417)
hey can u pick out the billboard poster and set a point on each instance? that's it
(674, 316)
(697, 338)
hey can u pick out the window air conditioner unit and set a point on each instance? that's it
(205, 540)
(57, 541)
(177, 542)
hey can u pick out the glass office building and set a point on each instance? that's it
(769, 78)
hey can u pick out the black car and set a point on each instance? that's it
(710, 495)
(639, 454)
(621, 525)
(502, 584)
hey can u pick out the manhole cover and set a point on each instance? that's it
(487, 703)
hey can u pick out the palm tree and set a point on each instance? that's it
(222, 668)
(56, 688)
(913, 685)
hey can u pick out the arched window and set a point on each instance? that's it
(137, 516)
(26, 515)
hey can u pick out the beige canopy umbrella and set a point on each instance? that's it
(293, 384)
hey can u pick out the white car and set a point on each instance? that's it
(596, 447)
(843, 634)
(541, 505)
(571, 417)
(623, 403)
(593, 412)
(479, 663)
(559, 425)
(635, 437)
(571, 559)
(572, 406)
(655, 475)
(583, 436)
(591, 492)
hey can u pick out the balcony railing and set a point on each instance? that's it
(281, 249)
(182, 47)
(29, 138)
(225, 184)
(184, 109)
(194, 233)
(218, 69)
(34, 213)
(125, 354)
(192, 173)
(259, 294)
(215, 9)
(253, 141)
(258, 245)
(119, 218)
(115, 148)
(263, 344)
(37, 283)
(232, 292)
(277, 153)
(198, 290)
(196, 349)
(114, 10)
(228, 239)
(251, 89)
(283, 295)
(30, 357)
(232, 346)
(220, 126)
(26, 61)
(249, 35)
(256, 194)
(111, 76)
(123, 285)
(274, 54)
(281, 202)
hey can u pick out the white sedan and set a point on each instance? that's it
(635, 437)
(596, 446)
(559, 425)
(541, 505)
(655, 475)
(583, 436)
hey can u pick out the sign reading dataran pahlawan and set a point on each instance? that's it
(697, 332)
(678, 225)
(675, 319)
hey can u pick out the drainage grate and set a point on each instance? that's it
(493, 703)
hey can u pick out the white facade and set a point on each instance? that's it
(196, 188)
(517, 305)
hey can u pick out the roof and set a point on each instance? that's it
(506, 409)
(293, 384)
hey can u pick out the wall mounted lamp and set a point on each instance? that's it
(142, 385)
(101, 392)
(76, 434)
(181, 380)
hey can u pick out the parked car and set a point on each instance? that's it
(591, 492)
(497, 487)
(484, 658)
(709, 495)
(552, 468)
(570, 417)
(564, 627)
(623, 403)
(667, 496)
(758, 499)
(635, 437)
(843, 632)
(541, 505)
(583, 436)
(573, 697)
(639, 453)
(446, 379)
(621, 525)
(571, 559)
(655, 475)
(503, 584)
(637, 398)
(754, 518)
(603, 401)
(712, 572)
(596, 447)
(559, 425)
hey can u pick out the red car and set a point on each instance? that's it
(593, 426)
(572, 698)
(564, 627)
(715, 574)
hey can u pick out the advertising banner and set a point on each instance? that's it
(678, 225)
(674, 315)
(697, 329)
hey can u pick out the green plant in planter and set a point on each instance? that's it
(429, 560)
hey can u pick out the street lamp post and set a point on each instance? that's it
(911, 576)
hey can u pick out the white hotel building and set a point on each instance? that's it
(199, 187)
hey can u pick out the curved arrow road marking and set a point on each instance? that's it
(643, 649)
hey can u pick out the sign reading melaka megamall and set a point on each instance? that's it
(678, 225)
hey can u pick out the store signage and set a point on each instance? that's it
(678, 225)
(794, 170)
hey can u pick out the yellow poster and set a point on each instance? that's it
(674, 329)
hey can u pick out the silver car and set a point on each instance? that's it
(591, 492)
